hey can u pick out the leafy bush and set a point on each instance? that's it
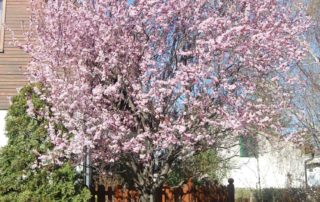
(242, 193)
(280, 195)
(277, 195)
(204, 165)
(27, 139)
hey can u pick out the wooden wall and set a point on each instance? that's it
(13, 60)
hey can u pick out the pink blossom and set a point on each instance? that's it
(172, 75)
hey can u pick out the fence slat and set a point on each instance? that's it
(118, 193)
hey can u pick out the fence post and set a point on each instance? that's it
(101, 193)
(109, 193)
(93, 194)
(231, 191)
(163, 194)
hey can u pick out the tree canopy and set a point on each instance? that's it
(152, 82)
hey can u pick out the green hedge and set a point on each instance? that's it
(275, 195)
(279, 195)
(19, 180)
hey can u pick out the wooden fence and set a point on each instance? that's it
(188, 192)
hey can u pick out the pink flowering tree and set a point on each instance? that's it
(149, 82)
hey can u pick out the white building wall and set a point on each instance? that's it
(3, 139)
(279, 165)
(313, 176)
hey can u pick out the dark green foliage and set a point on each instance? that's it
(205, 165)
(27, 138)
(277, 194)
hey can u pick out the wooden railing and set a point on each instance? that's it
(188, 192)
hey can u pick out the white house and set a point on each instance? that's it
(277, 164)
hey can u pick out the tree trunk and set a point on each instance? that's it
(149, 177)
(151, 194)
(147, 197)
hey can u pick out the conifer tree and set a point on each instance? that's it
(27, 136)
